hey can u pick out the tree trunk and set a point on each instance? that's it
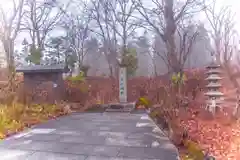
(9, 49)
(170, 35)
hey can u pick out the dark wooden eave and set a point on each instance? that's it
(57, 68)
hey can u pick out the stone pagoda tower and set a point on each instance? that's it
(214, 95)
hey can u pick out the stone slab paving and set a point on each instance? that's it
(91, 136)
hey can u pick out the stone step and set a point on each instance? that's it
(120, 107)
(118, 110)
(139, 111)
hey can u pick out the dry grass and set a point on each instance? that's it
(16, 117)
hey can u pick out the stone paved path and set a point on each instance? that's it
(91, 136)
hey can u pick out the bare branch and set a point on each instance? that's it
(165, 19)
(10, 23)
(40, 18)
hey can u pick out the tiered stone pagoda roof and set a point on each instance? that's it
(214, 85)
(213, 77)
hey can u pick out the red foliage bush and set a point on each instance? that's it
(77, 93)
(106, 89)
(216, 136)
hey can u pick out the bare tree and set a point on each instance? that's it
(39, 19)
(115, 21)
(159, 56)
(77, 28)
(123, 20)
(188, 35)
(105, 24)
(164, 19)
(222, 30)
(9, 29)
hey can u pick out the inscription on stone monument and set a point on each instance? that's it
(122, 85)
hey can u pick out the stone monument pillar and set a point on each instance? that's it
(123, 105)
(122, 84)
